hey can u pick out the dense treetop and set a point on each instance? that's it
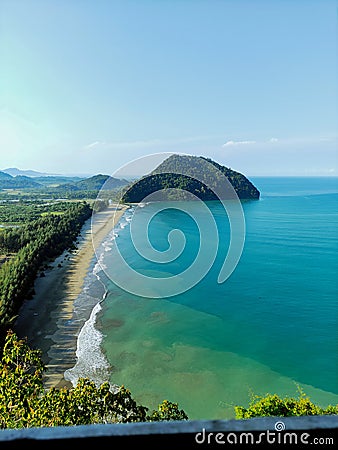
(197, 175)
(33, 245)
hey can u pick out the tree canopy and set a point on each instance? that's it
(33, 244)
(197, 175)
(25, 403)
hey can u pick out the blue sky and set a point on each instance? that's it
(88, 86)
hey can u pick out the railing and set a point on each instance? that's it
(266, 432)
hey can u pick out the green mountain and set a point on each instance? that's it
(18, 182)
(28, 173)
(98, 181)
(5, 176)
(94, 183)
(56, 180)
(70, 187)
(195, 174)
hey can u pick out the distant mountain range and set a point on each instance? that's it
(34, 174)
(27, 173)
(15, 180)
(7, 181)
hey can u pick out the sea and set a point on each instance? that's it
(270, 328)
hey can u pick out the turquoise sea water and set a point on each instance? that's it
(269, 328)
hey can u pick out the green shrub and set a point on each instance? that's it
(25, 403)
(273, 405)
(167, 411)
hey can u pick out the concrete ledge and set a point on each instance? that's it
(182, 434)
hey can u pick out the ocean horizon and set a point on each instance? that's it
(271, 327)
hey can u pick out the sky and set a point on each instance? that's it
(88, 86)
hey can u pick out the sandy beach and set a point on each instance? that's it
(46, 319)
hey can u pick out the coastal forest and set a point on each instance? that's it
(27, 248)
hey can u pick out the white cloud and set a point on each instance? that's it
(94, 144)
(233, 143)
(236, 143)
(144, 144)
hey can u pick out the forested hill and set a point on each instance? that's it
(20, 181)
(166, 176)
(57, 186)
(94, 183)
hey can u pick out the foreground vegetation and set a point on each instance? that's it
(25, 403)
(273, 405)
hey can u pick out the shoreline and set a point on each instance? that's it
(47, 319)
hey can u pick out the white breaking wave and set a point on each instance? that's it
(91, 362)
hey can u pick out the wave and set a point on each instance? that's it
(91, 363)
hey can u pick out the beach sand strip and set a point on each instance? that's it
(46, 320)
